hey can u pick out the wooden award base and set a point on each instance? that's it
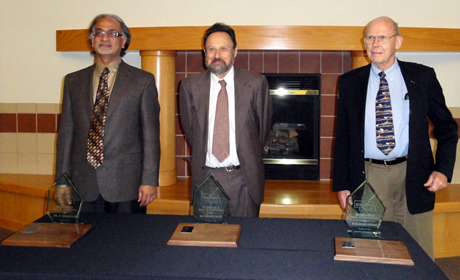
(372, 250)
(209, 235)
(47, 235)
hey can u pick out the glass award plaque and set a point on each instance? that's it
(64, 201)
(210, 201)
(210, 206)
(364, 212)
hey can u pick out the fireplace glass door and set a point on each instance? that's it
(292, 148)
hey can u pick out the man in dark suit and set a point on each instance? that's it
(401, 168)
(234, 155)
(108, 139)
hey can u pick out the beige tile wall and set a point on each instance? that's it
(27, 153)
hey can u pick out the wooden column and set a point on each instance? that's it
(359, 58)
(162, 64)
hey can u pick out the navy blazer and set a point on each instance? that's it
(131, 136)
(426, 102)
(253, 117)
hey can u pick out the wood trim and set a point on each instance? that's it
(312, 211)
(448, 199)
(26, 184)
(11, 225)
(270, 38)
(445, 236)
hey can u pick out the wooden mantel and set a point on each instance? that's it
(346, 38)
(158, 46)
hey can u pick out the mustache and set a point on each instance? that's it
(105, 45)
(217, 60)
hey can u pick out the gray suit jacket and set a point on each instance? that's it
(253, 117)
(131, 137)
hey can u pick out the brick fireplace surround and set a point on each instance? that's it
(329, 63)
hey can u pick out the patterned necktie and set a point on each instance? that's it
(95, 152)
(384, 118)
(221, 139)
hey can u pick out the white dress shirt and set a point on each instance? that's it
(211, 160)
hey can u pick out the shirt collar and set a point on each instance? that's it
(376, 70)
(113, 67)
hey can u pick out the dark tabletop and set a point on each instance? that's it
(133, 246)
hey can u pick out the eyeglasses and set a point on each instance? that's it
(380, 39)
(110, 33)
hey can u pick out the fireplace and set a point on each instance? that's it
(292, 149)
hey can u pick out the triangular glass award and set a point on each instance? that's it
(210, 201)
(364, 212)
(64, 201)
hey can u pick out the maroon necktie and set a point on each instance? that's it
(95, 152)
(221, 138)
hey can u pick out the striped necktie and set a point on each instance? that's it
(385, 134)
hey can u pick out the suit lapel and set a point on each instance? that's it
(415, 104)
(361, 97)
(408, 79)
(201, 100)
(242, 101)
(86, 91)
(120, 87)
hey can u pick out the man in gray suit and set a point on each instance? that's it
(234, 155)
(108, 139)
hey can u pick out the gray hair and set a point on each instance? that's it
(124, 28)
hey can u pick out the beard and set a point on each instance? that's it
(219, 69)
(105, 49)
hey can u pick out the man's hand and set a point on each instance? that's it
(146, 194)
(343, 195)
(436, 181)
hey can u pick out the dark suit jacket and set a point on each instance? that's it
(426, 101)
(131, 139)
(253, 116)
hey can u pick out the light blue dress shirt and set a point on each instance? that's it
(400, 107)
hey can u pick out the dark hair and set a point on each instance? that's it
(220, 27)
(124, 28)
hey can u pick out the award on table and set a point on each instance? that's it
(364, 214)
(210, 205)
(64, 201)
(210, 201)
(63, 206)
